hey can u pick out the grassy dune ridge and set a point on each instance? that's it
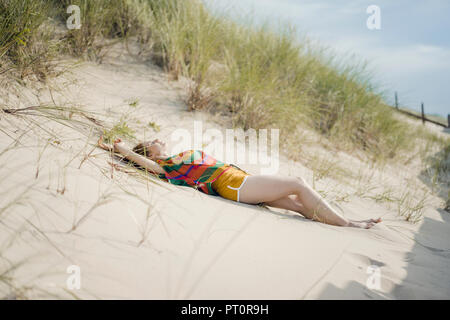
(259, 75)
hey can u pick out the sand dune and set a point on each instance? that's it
(140, 238)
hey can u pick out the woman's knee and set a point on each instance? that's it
(301, 181)
(298, 182)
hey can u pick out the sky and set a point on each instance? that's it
(409, 54)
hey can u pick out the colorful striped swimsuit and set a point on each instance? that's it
(193, 168)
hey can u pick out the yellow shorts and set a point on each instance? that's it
(229, 183)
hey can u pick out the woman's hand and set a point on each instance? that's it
(104, 146)
(119, 146)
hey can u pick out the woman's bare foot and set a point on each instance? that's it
(364, 224)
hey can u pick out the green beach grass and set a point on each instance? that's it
(259, 76)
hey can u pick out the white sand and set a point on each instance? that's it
(137, 239)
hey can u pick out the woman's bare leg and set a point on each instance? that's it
(274, 189)
(268, 188)
(288, 203)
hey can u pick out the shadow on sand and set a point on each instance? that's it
(428, 263)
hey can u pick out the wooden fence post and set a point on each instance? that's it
(448, 120)
(396, 100)
(423, 114)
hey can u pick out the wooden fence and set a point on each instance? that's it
(422, 116)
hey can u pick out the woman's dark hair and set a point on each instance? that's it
(142, 149)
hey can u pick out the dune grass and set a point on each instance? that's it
(19, 21)
(100, 20)
(28, 44)
(261, 76)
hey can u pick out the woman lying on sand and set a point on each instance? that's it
(196, 169)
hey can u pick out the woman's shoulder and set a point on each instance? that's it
(177, 158)
(186, 156)
(191, 152)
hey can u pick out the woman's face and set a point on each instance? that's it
(156, 148)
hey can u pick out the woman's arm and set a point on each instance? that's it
(119, 147)
(142, 161)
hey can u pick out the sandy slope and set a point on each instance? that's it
(138, 238)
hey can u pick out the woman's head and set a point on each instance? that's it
(151, 149)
